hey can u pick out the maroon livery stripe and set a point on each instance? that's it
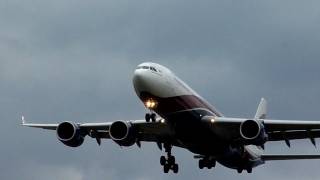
(178, 103)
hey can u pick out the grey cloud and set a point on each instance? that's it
(73, 60)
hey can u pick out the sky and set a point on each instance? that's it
(74, 60)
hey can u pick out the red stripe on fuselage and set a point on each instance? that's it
(171, 105)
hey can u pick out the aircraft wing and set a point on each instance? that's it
(158, 131)
(288, 157)
(277, 130)
(286, 130)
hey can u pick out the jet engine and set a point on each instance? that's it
(253, 132)
(123, 133)
(70, 134)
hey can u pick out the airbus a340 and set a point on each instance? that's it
(181, 118)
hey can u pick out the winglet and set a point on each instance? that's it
(262, 110)
(23, 121)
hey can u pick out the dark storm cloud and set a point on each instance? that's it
(73, 60)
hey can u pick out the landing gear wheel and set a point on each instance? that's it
(249, 170)
(207, 162)
(163, 160)
(239, 170)
(211, 164)
(171, 160)
(175, 168)
(214, 163)
(148, 117)
(201, 163)
(166, 168)
(153, 117)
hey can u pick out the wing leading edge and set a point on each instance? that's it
(158, 131)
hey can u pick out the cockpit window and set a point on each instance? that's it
(148, 67)
(153, 69)
(143, 67)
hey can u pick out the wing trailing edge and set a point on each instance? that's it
(288, 157)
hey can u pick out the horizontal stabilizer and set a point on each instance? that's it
(288, 157)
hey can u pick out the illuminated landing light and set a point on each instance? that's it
(213, 120)
(151, 104)
(163, 121)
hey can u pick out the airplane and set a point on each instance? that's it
(179, 117)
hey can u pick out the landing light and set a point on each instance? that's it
(151, 104)
(212, 120)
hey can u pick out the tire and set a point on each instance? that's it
(249, 170)
(163, 160)
(239, 170)
(201, 164)
(171, 160)
(214, 163)
(166, 168)
(147, 117)
(211, 164)
(175, 168)
(153, 117)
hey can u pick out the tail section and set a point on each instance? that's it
(262, 110)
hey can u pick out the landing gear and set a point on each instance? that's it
(175, 168)
(163, 160)
(207, 162)
(249, 170)
(169, 162)
(151, 117)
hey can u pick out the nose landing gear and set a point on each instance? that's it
(150, 117)
(151, 104)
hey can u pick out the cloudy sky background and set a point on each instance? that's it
(73, 60)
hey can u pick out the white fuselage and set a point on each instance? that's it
(183, 109)
(152, 80)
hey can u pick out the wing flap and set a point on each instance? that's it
(291, 135)
(288, 157)
(289, 125)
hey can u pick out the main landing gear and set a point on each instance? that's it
(169, 162)
(207, 162)
(249, 170)
(151, 117)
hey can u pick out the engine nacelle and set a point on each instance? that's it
(70, 134)
(253, 132)
(123, 133)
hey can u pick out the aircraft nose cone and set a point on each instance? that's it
(140, 81)
(138, 77)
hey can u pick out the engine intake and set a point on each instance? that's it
(253, 132)
(122, 133)
(70, 134)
